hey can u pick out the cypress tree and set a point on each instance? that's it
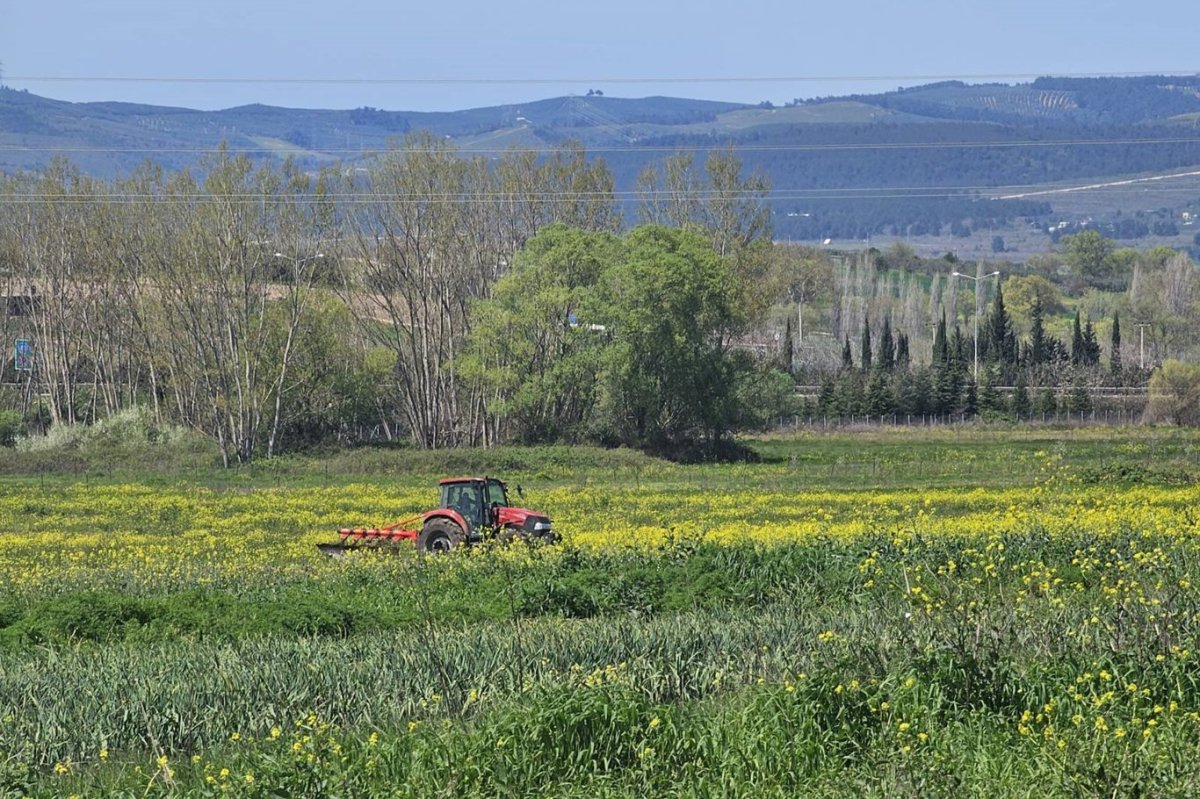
(878, 399)
(958, 350)
(866, 345)
(941, 347)
(1047, 403)
(1021, 404)
(998, 333)
(1079, 400)
(850, 394)
(922, 393)
(828, 396)
(1091, 347)
(847, 355)
(903, 359)
(788, 352)
(990, 400)
(1078, 348)
(1039, 345)
(947, 389)
(971, 399)
(1114, 352)
(886, 359)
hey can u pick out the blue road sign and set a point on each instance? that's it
(23, 357)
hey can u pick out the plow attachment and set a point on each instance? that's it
(374, 538)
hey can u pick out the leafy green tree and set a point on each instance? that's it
(1022, 292)
(535, 345)
(1089, 254)
(764, 394)
(667, 380)
(722, 204)
(1175, 393)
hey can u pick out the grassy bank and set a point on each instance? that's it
(967, 613)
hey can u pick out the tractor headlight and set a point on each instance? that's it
(541, 527)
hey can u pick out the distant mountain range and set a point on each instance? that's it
(913, 160)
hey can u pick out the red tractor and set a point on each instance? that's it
(472, 509)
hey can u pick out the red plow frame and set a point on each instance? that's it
(372, 537)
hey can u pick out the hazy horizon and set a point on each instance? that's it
(305, 54)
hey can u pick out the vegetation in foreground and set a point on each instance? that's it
(705, 631)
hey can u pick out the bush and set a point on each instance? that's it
(131, 428)
(1175, 394)
(10, 426)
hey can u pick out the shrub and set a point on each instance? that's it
(1175, 394)
(131, 428)
(10, 426)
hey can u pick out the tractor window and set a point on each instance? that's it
(496, 494)
(464, 498)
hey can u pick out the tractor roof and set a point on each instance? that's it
(450, 480)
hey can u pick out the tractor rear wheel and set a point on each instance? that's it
(440, 535)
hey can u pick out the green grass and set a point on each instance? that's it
(883, 458)
(884, 664)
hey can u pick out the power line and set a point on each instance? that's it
(610, 149)
(363, 198)
(514, 80)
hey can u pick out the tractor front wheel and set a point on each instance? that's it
(440, 535)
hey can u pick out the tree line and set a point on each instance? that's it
(272, 308)
(450, 300)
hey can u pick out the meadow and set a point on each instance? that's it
(945, 613)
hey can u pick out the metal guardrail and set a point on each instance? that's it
(1111, 391)
(1094, 418)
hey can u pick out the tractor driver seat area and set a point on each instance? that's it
(465, 500)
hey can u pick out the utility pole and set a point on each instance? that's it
(1141, 326)
(800, 321)
(977, 278)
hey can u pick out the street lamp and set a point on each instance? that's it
(976, 320)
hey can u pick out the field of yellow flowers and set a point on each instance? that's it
(848, 617)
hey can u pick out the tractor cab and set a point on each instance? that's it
(482, 502)
(475, 499)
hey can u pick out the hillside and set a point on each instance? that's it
(912, 162)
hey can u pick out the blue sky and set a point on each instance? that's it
(616, 46)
